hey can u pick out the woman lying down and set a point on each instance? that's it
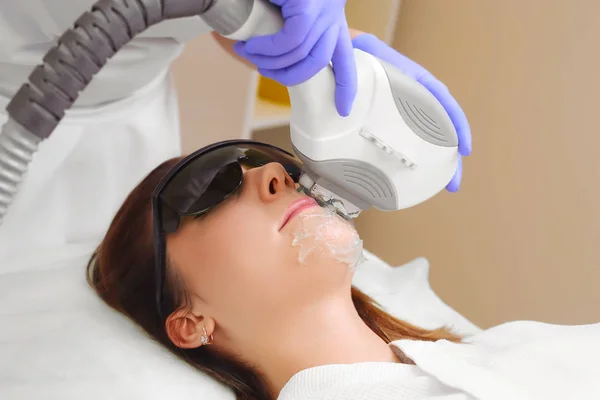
(222, 260)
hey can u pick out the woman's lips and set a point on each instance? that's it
(296, 208)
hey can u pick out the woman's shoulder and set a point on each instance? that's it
(516, 333)
(514, 359)
(521, 332)
(513, 340)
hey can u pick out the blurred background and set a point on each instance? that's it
(520, 239)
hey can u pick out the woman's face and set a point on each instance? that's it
(248, 262)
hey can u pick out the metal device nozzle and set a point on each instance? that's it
(325, 197)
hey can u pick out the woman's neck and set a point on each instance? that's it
(328, 332)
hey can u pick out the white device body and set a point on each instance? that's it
(264, 19)
(377, 156)
(374, 133)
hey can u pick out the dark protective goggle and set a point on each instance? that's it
(200, 182)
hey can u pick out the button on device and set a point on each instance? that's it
(406, 161)
(387, 149)
(367, 135)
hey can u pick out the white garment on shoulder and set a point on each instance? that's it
(367, 381)
(516, 361)
(29, 28)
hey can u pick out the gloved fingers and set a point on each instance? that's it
(297, 25)
(299, 20)
(454, 184)
(371, 44)
(290, 58)
(344, 67)
(316, 60)
(455, 112)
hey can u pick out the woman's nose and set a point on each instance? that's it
(274, 181)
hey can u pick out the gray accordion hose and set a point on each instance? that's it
(53, 86)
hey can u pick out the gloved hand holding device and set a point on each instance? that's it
(315, 33)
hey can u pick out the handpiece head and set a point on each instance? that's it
(397, 148)
(325, 197)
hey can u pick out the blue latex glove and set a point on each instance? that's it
(314, 33)
(372, 45)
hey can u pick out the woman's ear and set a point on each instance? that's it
(188, 331)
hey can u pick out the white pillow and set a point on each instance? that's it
(59, 341)
(405, 292)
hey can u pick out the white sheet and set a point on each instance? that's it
(59, 341)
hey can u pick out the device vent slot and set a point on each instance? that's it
(419, 120)
(363, 186)
(370, 181)
(427, 118)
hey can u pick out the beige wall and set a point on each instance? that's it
(213, 91)
(520, 240)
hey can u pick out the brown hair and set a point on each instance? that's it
(121, 271)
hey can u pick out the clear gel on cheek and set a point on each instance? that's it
(327, 233)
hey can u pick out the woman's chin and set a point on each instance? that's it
(324, 238)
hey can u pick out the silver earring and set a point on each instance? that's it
(205, 339)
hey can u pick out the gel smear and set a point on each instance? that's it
(327, 233)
